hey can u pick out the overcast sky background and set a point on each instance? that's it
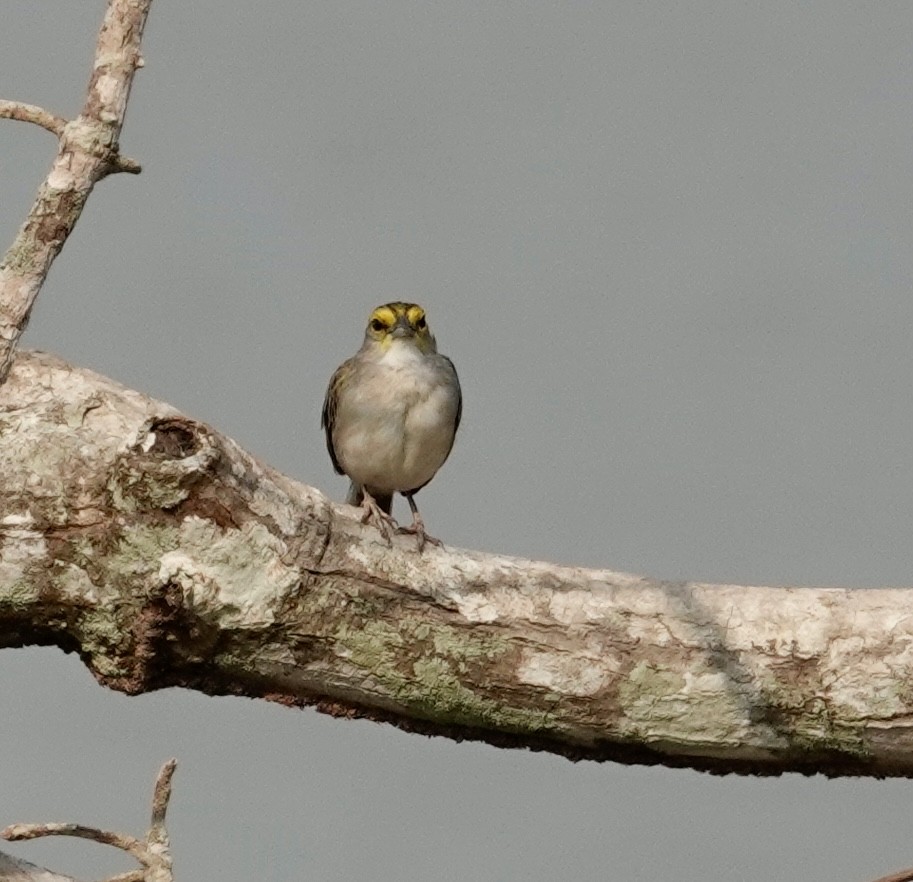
(667, 245)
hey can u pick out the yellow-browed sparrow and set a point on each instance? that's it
(390, 415)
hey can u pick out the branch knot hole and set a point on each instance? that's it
(172, 438)
(170, 456)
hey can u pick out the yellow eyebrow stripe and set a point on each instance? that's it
(385, 315)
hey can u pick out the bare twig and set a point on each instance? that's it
(152, 852)
(123, 841)
(87, 152)
(30, 113)
(161, 797)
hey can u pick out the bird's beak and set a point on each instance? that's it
(402, 328)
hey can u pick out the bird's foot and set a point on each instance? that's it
(418, 529)
(373, 512)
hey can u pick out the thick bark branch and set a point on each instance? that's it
(165, 555)
(87, 152)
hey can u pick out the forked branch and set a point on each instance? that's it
(87, 152)
(153, 852)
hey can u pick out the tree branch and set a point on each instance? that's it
(123, 841)
(30, 113)
(165, 555)
(153, 852)
(87, 152)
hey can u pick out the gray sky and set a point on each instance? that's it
(668, 247)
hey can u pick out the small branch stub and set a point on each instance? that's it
(161, 796)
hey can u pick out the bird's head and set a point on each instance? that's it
(402, 323)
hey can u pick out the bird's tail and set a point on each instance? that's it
(356, 497)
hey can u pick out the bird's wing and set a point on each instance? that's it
(330, 403)
(459, 413)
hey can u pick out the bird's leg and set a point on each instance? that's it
(418, 526)
(373, 512)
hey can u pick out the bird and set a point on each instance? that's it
(391, 415)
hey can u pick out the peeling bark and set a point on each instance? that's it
(167, 556)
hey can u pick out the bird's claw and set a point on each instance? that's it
(417, 528)
(385, 523)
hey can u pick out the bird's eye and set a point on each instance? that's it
(377, 325)
(421, 323)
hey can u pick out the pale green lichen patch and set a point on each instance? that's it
(100, 629)
(373, 648)
(22, 254)
(432, 685)
(438, 692)
(456, 644)
(73, 581)
(139, 550)
(377, 644)
(651, 698)
(648, 684)
(47, 475)
(18, 595)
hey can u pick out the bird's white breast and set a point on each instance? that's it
(396, 424)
